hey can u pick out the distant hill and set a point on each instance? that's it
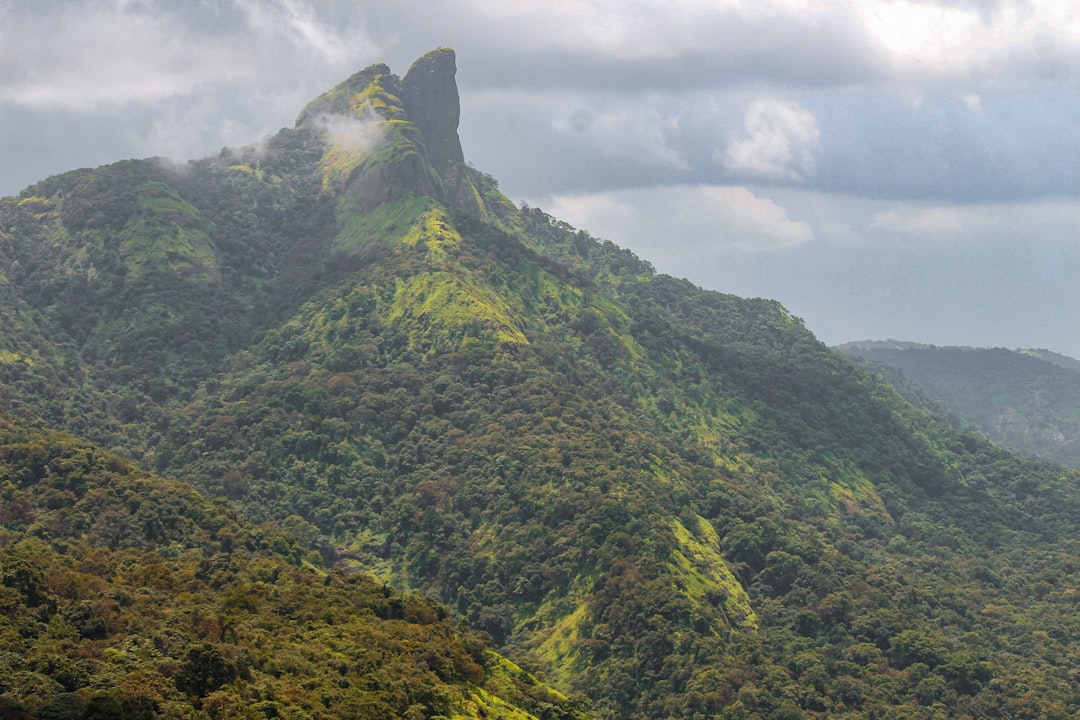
(1024, 400)
(395, 384)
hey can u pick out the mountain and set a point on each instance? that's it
(126, 596)
(1025, 400)
(666, 501)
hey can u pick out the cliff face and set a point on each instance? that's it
(431, 100)
(430, 94)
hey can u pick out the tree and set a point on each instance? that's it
(204, 670)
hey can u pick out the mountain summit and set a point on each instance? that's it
(430, 94)
(390, 137)
(666, 501)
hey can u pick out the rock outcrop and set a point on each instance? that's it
(412, 124)
(431, 100)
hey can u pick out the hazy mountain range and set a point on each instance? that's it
(427, 424)
(1024, 400)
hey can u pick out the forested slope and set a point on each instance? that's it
(676, 502)
(125, 596)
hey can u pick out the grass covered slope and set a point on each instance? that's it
(127, 596)
(676, 502)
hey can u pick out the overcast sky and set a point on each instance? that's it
(885, 168)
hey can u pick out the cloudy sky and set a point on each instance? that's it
(885, 168)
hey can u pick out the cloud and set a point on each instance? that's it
(355, 134)
(179, 78)
(781, 40)
(86, 58)
(92, 55)
(780, 141)
(758, 223)
(668, 222)
(974, 40)
(639, 132)
(1050, 220)
(298, 24)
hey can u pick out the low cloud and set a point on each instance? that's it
(780, 140)
(666, 224)
(1047, 220)
(349, 132)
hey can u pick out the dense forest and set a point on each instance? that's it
(1025, 400)
(396, 423)
(128, 596)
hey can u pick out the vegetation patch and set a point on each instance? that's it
(446, 308)
(390, 223)
(433, 231)
(167, 235)
(699, 563)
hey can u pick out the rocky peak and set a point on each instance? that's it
(430, 96)
(416, 148)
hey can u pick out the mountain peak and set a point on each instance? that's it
(431, 100)
(407, 133)
(348, 97)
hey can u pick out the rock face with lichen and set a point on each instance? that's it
(430, 94)
(390, 138)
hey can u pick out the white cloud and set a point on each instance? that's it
(923, 32)
(89, 57)
(685, 220)
(966, 40)
(759, 222)
(355, 134)
(98, 55)
(1050, 220)
(780, 141)
(297, 24)
(650, 29)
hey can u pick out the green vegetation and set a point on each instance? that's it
(132, 597)
(389, 223)
(669, 502)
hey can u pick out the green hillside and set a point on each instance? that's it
(1024, 400)
(671, 502)
(126, 596)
